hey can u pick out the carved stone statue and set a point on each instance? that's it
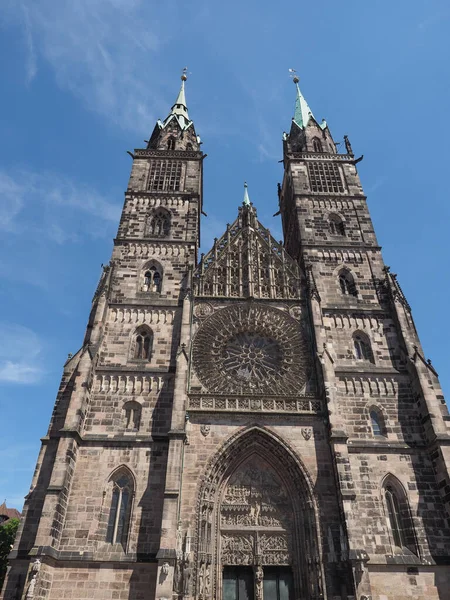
(36, 566)
(259, 577)
(207, 581)
(201, 580)
(30, 591)
(187, 573)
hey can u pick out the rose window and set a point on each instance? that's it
(251, 348)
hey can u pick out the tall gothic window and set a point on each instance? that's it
(336, 225)
(347, 283)
(317, 145)
(152, 280)
(120, 510)
(159, 223)
(363, 350)
(399, 518)
(143, 344)
(171, 143)
(325, 177)
(165, 176)
(377, 422)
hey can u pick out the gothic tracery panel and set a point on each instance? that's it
(251, 348)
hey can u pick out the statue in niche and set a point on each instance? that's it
(207, 581)
(187, 572)
(259, 577)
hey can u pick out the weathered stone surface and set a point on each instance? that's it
(242, 432)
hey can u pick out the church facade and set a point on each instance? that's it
(256, 423)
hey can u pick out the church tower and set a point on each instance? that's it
(257, 423)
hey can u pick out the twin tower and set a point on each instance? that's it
(259, 423)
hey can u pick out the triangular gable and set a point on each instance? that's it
(247, 262)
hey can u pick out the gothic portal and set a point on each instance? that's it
(259, 423)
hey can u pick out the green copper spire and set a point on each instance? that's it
(179, 110)
(246, 201)
(302, 111)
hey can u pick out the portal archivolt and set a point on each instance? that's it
(257, 522)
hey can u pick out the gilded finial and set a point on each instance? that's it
(184, 74)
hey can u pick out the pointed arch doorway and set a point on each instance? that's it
(257, 532)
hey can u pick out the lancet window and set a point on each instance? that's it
(317, 145)
(120, 510)
(347, 283)
(377, 422)
(336, 225)
(132, 412)
(399, 517)
(363, 350)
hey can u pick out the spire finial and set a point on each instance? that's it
(246, 201)
(184, 74)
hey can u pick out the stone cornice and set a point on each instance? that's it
(179, 154)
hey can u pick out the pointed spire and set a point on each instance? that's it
(179, 110)
(302, 111)
(246, 201)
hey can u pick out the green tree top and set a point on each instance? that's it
(7, 535)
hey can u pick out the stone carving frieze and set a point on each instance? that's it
(249, 348)
(255, 497)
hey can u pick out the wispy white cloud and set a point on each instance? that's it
(19, 355)
(31, 60)
(51, 206)
(103, 51)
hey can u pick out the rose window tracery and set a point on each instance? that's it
(250, 356)
(251, 348)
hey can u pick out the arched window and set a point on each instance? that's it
(143, 344)
(132, 415)
(347, 283)
(363, 350)
(317, 145)
(189, 146)
(336, 225)
(120, 511)
(399, 518)
(159, 223)
(171, 143)
(377, 422)
(152, 280)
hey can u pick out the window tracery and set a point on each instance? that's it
(143, 344)
(159, 223)
(317, 145)
(152, 280)
(399, 517)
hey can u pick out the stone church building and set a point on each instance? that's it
(259, 422)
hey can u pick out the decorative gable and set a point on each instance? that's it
(247, 262)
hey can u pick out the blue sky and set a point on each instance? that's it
(84, 81)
